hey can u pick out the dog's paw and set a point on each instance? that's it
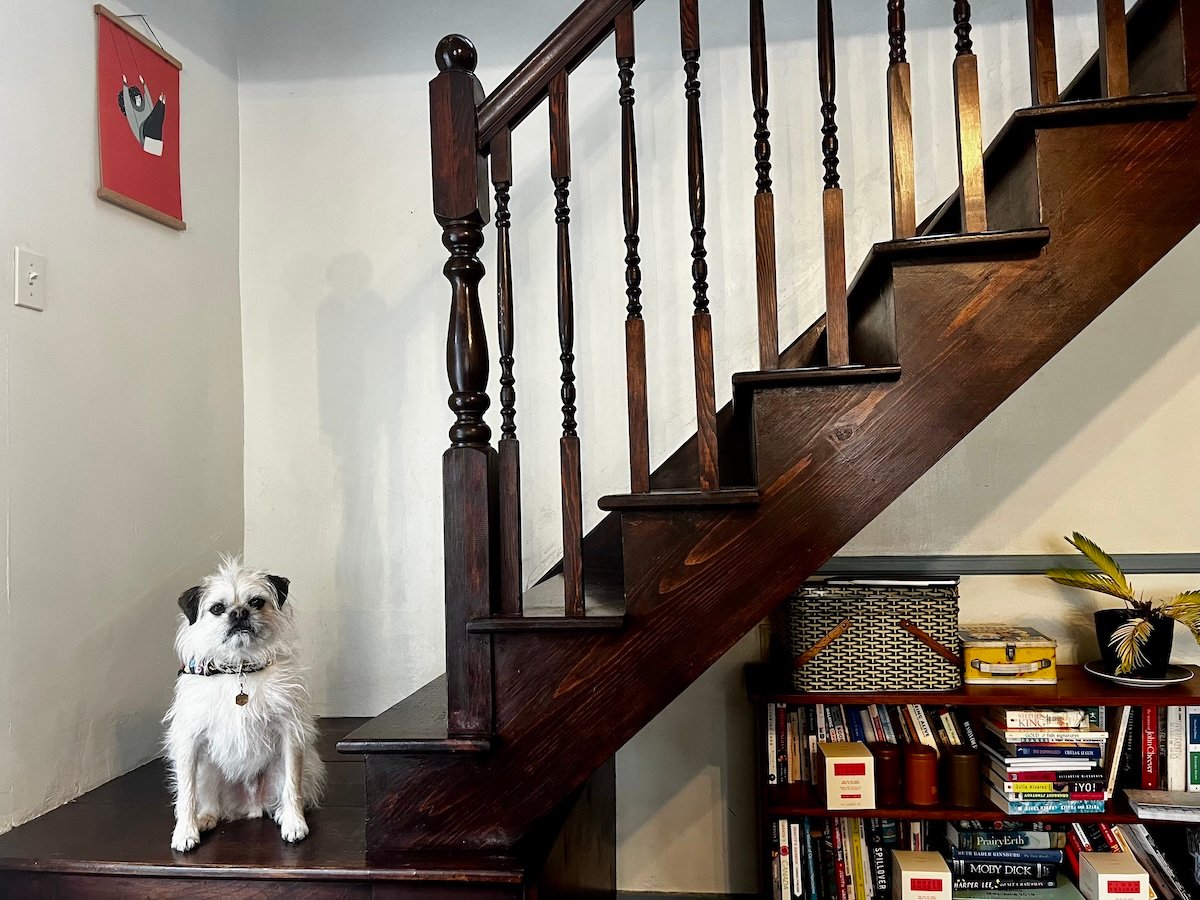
(185, 837)
(292, 827)
(206, 822)
(255, 812)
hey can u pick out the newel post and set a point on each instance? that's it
(460, 204)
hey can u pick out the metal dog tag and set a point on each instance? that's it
(241, 699)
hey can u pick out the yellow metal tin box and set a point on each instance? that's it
(1007, 654)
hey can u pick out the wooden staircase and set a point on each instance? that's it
(509, 755)
(1079, 196)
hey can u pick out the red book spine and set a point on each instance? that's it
(1072, 853)
(1081, 838)
(1150, 748)
(1109, 838)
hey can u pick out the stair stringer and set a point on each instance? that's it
(1115, 197)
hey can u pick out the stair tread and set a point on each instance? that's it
(542, 607)
(676, 499)
(815, 375)
(123, 827)
(417, 724)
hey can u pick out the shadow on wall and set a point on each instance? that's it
(362, 372)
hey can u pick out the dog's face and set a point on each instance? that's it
(236, 614)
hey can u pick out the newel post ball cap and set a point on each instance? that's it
(456, 52)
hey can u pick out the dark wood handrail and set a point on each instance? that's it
(569, 45)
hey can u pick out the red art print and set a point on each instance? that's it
(138, 111)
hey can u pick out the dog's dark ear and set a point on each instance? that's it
(281, 586)
(189, 602)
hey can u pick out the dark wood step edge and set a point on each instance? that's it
(544, 624)
(782, 378)
(669, 500)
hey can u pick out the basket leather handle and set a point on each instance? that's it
(812, 652)
(936, 646)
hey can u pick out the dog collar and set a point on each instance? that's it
(191, 667)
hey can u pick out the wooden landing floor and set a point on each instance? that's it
(123, 828)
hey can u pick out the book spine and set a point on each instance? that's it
(796, 850)
(1193, 748)
(924, 732)
(1096, 837)
(781, 747)
(1021, 855)
(965, 883)
(841, 874)
(1116, 754)
(1177, 765)
(1044, 807)
(772, 747)
(873, 716)
(1001, 840)
(858, 859)
(903, 723)
(951, 728)
(810, 715)
(977, 868)
(1056, 752)
(1131, 757)
(1110, 837)
(879, 859)
(889, 730)
(1053, 787)
(1073, 850)
(776, 872)
(968, 731)
(1150, 748)
(1081, 837)
(1040, 718)
(1030, 796)
(811, 848)
(785, 858)
(822, 723)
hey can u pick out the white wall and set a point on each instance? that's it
(121, 442)
(344, 317)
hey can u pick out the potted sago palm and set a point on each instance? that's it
(1136, 638)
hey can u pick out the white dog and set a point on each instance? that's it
(240, 738)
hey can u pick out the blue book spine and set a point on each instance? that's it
(854, 723)
(1054, 808)
(808, 862)
(1062, 752)
(1193, 727)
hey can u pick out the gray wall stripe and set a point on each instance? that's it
(1016, 564)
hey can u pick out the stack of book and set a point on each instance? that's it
(1005, 856)
(1045, 761)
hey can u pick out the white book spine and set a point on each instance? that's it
(797, 843)
(772, 747)
(785, 859)
(925, 735)
(1177, 757)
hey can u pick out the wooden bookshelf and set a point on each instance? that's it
(1075, 688)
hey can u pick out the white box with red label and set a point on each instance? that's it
(1112, 876)
(848, 775)
(920, 876)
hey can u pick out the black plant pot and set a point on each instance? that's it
(1156, 651)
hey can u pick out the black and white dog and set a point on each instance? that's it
(240, 738)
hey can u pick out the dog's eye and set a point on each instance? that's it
(257, 602)
(217, 609)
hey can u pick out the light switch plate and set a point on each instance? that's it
(30, 286)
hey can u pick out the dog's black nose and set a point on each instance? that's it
(239, 614)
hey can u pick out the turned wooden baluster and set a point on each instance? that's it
(972, 197)
(702, 342)
(1114, 49)
(764, 199)
(837, 327)
(572, 486)
(461, 203)
(1043, 56)
(899, 91)
(510, 446)
(635, 325)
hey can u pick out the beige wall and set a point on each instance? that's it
(121, 432)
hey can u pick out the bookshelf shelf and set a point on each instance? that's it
(1075, 688)
(796, 800)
